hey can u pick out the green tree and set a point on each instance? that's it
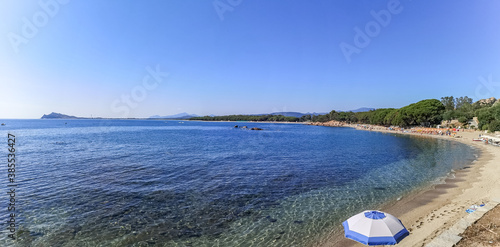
(448, 102)
(396, 117)
(449, 115)
(333, 115)
(463, 120)
(322, 118)
(363, 117)
(378, 116)
(494, 126)
(462, 101)
(495, 111)
(305, 118)
(424, 113)
(390, 118)
(484, 116)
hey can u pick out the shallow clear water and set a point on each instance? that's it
(140, 183)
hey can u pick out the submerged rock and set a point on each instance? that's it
(271, 219)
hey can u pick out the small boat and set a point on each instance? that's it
(3, 124)
(477, 140)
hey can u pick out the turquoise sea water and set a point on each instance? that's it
(174, 183)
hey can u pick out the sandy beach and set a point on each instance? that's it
(430, 212)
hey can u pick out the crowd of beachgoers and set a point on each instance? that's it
(453, 132)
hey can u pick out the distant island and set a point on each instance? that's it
(55, 115)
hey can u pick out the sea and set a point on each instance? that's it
(188, 183)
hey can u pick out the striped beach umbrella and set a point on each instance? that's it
(375, 228)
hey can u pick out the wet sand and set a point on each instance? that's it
(432, 210)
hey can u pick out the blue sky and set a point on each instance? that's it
(111, 58)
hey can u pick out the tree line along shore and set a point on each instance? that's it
(483, 114)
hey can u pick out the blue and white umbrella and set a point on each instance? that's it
(375, 228)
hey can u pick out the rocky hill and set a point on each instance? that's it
(489, 101)
(55, 115)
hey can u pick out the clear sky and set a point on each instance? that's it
(141, 58)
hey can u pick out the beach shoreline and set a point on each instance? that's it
(433, 209)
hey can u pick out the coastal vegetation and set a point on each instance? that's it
(424, 113)
(429, 112)
(271, 118)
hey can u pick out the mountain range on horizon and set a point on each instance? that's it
(362, 109)
(182, 115)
